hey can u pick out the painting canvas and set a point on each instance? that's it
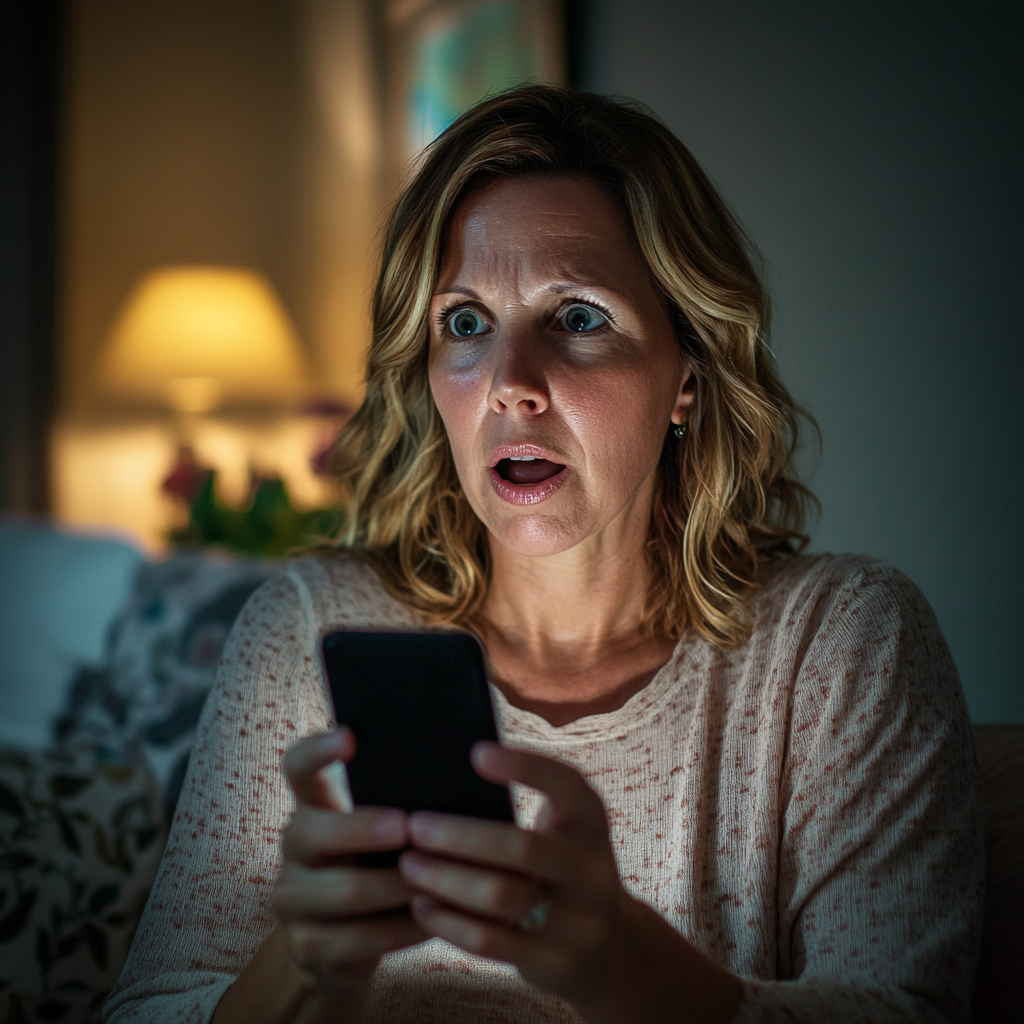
(445, 55)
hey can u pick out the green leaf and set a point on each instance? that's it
(103, 896)
(10, 802)
(16, 860)
(44, 953)
(68, 836)
(52, 1009)
(12, 923)
(97, 942)
(68, 785)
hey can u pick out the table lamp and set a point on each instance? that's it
(192, 336)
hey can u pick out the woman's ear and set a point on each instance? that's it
(687, 393)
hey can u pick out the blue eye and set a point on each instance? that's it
(466, 323)
(579, 318)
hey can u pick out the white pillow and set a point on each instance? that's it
(58, 593)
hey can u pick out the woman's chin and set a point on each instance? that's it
(535, 535)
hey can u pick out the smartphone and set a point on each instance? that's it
(416, 702)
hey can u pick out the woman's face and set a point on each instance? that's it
(553, 363)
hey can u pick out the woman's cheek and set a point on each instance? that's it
(622, 419)
(459, 398)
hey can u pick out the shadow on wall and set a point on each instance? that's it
(874, 151)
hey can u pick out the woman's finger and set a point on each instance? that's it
(331, 950)
(494, 843)
(491, 939)
(545, 956)
(304, 761)
(495, 894)
(326, 893)
(313, 835)
(573, 803)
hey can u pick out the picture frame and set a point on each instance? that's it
(442, 56)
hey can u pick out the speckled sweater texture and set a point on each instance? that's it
(805, 808)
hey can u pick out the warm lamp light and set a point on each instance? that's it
(194, 335)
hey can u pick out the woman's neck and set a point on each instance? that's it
(565, 633)
(567, 601)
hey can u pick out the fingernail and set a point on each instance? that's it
(332, 741)
(489, 760)
(482, 753)
(412, 865)
(389, 825)
(422, 905)
(425, 827)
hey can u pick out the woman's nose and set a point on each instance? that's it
(519, 379)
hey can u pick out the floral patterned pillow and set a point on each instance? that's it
(163, 653)
(80, 840)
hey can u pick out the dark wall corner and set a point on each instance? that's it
(31, 37)
(576, 21)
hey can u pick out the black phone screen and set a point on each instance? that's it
(416, 702)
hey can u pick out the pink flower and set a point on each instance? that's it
(187, 476)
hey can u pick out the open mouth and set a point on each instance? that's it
(527, 469)
(523, 478)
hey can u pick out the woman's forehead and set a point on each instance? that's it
(564, 227)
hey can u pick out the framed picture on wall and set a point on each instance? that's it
(442, 56)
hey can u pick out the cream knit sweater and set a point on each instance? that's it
(804, 808)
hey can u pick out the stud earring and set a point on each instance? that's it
(679, 430)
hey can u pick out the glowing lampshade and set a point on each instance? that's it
(193, 335)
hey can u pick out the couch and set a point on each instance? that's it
(105, 661)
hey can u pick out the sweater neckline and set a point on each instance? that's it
(634, 712)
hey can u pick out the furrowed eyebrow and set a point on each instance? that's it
(458, 289)
(556, 288)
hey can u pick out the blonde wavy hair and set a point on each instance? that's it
(725, 498)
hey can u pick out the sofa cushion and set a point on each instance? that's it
(999, 993)
(80, 840)
(164, 651)
(59, 593)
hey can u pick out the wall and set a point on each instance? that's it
(873, 150)
(177, 152)
(219, 131)
(240, 132)
(30, 39)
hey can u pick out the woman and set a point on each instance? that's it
(744, 781)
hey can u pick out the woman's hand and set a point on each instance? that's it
(338, 919)
(550, 902)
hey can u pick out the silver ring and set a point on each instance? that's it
(536, 917)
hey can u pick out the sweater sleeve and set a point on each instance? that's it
(881, 847)
(209, 909)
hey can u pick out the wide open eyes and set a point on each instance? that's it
(576, 317)
(579, 318)
(466, 323)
